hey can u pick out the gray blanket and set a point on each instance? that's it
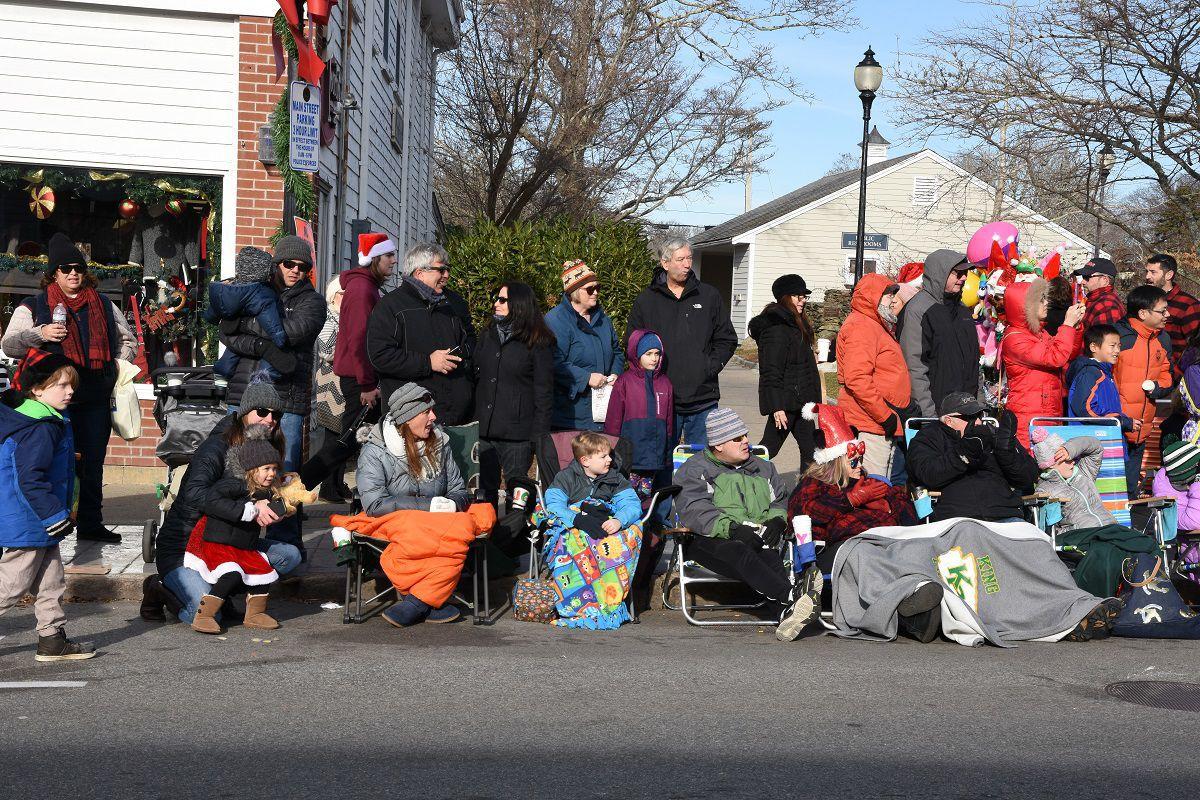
(1003, 582)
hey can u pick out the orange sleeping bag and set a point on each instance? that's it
(427, 550)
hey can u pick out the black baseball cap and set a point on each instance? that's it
(961, 404)
(1098, 266)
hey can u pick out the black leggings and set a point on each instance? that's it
(762, 570)
(231, 583)
(801, 430)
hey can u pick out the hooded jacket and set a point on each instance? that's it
(572, 486)
(514, 387)
(581, 347)
(939, 349)
(1145, 356)
(1084, 508)
(1034, 360)
(640, 409)
(787, 367)
(360, 296)
(404, 329)
(871, 369)
(1187, 501)
(695, 330)
(1092, 392)
(37, 473)
(717, 496)
(385, 484)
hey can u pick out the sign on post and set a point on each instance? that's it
(304, 143)
(872, 241)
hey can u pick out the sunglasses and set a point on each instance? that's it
(591, 289)
(267, 412)
(68, 268)
(502, 300)
(300, 265)
(444, 269)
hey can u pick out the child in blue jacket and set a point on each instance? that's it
(248, 294)
(591, 482)
(37, 496)
(1093, 392)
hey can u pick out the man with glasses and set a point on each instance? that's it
(1142, 372)
(421, 333)
(303, 316)
(1099, 276)
(1184, 320)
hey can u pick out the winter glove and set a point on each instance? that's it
(228, 327)
(1006, 433)
(866, 491)
(773, 532)
(985, 433)
(283, 361)
(61, 528)
(971, 450)
(747, 534)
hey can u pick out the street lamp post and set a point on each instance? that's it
(868, 75)
(1106, 158)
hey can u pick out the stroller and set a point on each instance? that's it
(188, 404)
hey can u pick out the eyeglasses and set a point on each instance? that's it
(69, 268)
(591, 289)
(266, 412)
(444, 269)
(300, 265)
(1163, 312)
(501, 299)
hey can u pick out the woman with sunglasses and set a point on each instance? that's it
(836, 492)
(587, 353)
(93, 335)
(514, 386)
(303, 317)
(177, 587)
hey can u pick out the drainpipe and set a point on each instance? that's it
(347, 105)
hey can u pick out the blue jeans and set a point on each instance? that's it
(292, 426)
(691, 426)
(188, 587)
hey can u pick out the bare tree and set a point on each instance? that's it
(608, 106)
(1043, 86)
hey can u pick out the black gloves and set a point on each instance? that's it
(971, 449)
(1006, 433)
(283, 361)
(745, 533)
(63, 527)
(228, 327)
(773, 532)
(769, 535)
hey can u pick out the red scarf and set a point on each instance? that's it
(98, 353)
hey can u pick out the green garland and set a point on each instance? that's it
(36, 266)
(300, 184)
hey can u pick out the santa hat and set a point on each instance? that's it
(371, 245)
(839, 438)
(912, 273)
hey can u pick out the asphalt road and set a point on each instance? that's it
(519, 710)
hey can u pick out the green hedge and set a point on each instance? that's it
(485, 255)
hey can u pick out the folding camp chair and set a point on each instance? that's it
(923, 498)
(688, 573)
(1111, 483)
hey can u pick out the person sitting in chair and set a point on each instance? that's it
(981, 470)
(735, 505)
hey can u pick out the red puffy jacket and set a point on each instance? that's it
(1034, 361)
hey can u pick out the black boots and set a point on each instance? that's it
(156, 597)
(921, 613)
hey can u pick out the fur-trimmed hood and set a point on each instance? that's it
(1021, 301)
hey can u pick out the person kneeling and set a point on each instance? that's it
(734, 503)
(222, 546)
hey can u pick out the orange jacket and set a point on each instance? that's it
(871, 367)
(1143, 358)
(427, 550)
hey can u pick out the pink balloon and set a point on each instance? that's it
(980, 246)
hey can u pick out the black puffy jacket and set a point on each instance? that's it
(514, 388)
(991, 490)
(303, 317)
(203, 473)
(787, 367)
(404, 329)
(695, 331)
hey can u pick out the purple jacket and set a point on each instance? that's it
(640, 410)
(1187, 503)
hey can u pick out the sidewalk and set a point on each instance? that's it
(128, 505)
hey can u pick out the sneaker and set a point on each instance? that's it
(805, 609)
(920, 614)
(447, 613)
(101, 534)
(1098, 622)
(59, 648)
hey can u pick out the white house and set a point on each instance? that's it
(916, 203)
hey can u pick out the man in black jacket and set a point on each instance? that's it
(698, 338)
(303, 317)
(421, 333)
(981, 471)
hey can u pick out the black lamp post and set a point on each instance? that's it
(868, 75)
(1106, 160)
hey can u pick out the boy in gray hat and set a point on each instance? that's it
(249, 294)
(736, 505)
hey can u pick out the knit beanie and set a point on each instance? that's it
(408, 401)
(722, 425)
(260, 394)
(252, 265)
(293, 248)
(1045, 445)
(255, 453)
(61, 252)
(1181, 460)
(649, 341)
(576, 274)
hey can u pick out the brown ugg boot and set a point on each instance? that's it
(256, 613)
(205, 620)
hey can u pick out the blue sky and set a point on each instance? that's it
(808, 137)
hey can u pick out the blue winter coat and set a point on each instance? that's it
(233, 300)
(1093, 391)
(37, 474)
(582, 348)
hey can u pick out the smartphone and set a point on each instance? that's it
(453, 351)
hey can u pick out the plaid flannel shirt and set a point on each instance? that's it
(1185, 318)
(1103, 308)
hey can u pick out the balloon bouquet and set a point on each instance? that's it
(994, 252)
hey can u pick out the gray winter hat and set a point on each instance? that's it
(293, 248)
(260, 394)
(408, 401)
(722, 425)
(252, 265)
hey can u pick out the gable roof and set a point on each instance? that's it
(792, 201)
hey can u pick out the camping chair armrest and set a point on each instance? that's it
(1153, 502)
(677, 533)
(659, 495)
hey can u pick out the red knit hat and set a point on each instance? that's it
(839, 438)
(371, 245)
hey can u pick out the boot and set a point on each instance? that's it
(57, 647)
(205, 620)
(256, 613)
(152, 604)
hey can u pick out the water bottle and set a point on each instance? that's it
(804, 552)
(60, 315)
